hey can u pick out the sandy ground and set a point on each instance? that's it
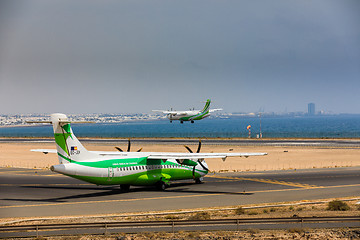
(296, 232)
(278, 158)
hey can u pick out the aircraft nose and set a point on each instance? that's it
(203, 166)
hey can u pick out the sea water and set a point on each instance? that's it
(344, 126)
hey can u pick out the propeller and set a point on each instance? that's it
(199, 160)
(198, 149)
(128, 149)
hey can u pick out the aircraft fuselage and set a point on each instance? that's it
(136, 171)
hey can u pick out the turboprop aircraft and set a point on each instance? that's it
(191, 115)
(124, 168)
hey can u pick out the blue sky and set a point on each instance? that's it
(130, 56)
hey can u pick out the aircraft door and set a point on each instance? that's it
(110, 173)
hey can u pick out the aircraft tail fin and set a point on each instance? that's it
(69, 148)
(207, 106)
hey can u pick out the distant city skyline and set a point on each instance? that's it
(311, 109)
(91, 56)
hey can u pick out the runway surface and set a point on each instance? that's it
(41, 193)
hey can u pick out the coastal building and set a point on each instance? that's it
(311, 109)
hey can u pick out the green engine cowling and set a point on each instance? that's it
(187, 162)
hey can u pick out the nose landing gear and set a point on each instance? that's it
(198, 180)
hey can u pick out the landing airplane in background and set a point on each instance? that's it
(191, 115)
(125, 168)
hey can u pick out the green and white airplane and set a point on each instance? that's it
(124, 168)
(191, 115)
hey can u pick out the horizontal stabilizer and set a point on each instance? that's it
(46, 151)
(214, 110)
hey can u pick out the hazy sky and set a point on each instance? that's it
(130, 56)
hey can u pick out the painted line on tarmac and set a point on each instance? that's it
(22, 171)
(175, 197)
(39, 173)
(292, 184)
(108, 201)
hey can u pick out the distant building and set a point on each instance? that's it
(311, 108)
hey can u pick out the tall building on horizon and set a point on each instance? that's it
(311, 108)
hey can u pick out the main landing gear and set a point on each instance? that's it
(192, 121)
(125, 187)
(161, 185)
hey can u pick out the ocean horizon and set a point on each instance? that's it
(339, 126)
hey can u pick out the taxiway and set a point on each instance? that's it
(41, 193)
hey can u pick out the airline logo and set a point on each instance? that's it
(74, 150)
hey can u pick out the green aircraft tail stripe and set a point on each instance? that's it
(60, 139)
(207, 106)
(201, 114)
(66, 158)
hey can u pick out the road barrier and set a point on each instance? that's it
(169, 226)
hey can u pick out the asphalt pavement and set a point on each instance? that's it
(41, 193)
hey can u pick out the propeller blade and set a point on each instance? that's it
(189, 149)
(128, 148)
(119, 149)
(203, 165)
(129, 145)
(199, 147)
(194, 172)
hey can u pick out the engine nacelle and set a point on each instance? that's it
(187, 162)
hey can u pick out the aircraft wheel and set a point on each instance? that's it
(181, 122)
(161, 186)
(170, 121)
(125, 187)
(192, 121)
(198, 181)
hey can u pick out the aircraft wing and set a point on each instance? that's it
(165, 111)
(159, 155)
(171, 112)
(163, 155)
(162, 111)
(174, 155)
